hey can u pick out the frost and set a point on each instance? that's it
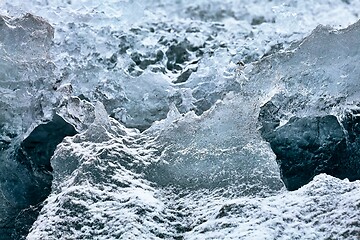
(327, 208)
(182, 112)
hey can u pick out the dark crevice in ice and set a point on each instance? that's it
(308, 146)
(30, 188)
(177, 57)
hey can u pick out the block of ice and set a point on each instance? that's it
(314, 96)
(29, 132)
(219, 150)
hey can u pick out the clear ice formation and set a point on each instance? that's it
(311, 119)
(123, 127)
(29, 130)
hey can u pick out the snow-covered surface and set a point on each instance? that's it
(306, 213)
(196, 167)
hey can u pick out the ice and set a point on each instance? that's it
(112, 174)
(324, 209)
(29, 132)
(26, 176)
(316, 91)
(25, 75)
(99, 180)
(95, 43)
(170, 119)
(216, 151)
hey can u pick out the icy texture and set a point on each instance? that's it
(196, 165)
(315, 78)
(108, 182)
(26, 74)
(29, 133)
(99, 45)
(96, 191)
(327, 208)
(219, 150)
(319, 77)
(27, 181)
(26, 176)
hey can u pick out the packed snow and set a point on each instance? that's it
(173, 113)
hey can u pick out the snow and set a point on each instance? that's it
(168, 143)
(306, 213)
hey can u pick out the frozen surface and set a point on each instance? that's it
(26, 74)
(182, 113)
(29, 133)
(327, 208)
(100, 46)
(219, 150)
(312, 112)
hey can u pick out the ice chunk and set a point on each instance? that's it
(310, 87)
(80, 113)
(26, 73)
(171, 58)
(29, 132)
(97, 179)
(219, 150)
(27, 38)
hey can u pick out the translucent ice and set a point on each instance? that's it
(199, 81)
(309, 87)
(219, 150)
(25, 75)
(29, 130)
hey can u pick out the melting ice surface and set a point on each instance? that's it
(164, 135)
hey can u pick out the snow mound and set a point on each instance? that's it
(326, 208)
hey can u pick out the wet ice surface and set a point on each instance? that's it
(196, 166)
(99, 46)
